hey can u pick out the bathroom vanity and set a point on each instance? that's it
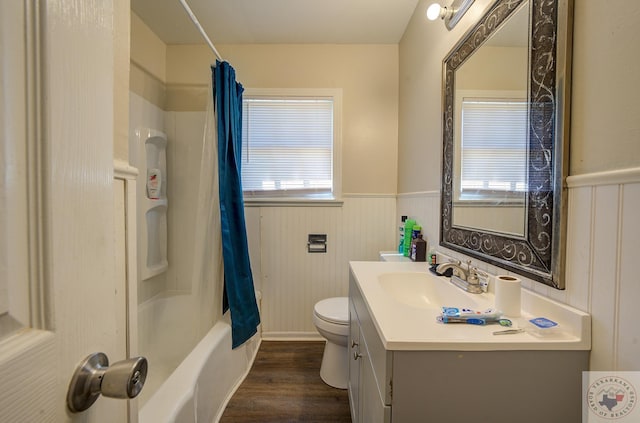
(406, 367)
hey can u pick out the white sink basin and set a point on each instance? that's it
(421, 290)
(404, 300)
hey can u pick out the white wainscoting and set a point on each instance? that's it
(602, 263)
(293, 280)
(603, 248)
(424, 207)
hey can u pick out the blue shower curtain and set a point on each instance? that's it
(239, 294)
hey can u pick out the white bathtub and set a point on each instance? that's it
(202, 384)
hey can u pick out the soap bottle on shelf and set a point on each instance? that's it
(154, 183)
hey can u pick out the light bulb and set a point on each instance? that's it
(434, 12)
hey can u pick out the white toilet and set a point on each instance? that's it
(331, 318)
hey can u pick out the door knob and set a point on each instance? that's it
(93, 377)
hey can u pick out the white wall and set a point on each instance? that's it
(293, 280)
(121, 38)
(367, 75)
(147, 50)
(602, 237)
(605, 129)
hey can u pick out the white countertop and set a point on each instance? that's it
(402, 326)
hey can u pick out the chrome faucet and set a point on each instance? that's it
(455, 266)
(465, 280)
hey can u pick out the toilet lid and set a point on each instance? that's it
(334, 310)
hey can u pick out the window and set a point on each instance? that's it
(494, 149)
(290, 144)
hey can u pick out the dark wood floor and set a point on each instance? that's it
(284, 385)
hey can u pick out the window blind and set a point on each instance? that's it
(494, 147)
(287, 146)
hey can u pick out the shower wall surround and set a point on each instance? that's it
(144, 114)
(181, 297)
(150, 146)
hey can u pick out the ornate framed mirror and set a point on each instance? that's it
(505, 136)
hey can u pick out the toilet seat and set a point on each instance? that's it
(333, 310)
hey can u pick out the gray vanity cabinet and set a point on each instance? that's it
(449, 385)
(354, 367)
(369, 368)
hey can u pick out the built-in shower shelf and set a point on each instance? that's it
(151, 160)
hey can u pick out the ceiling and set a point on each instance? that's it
(279, 21)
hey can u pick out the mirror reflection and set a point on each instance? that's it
(490, 134)
(505, 137)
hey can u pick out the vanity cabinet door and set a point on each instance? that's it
(369, 365)
(373, 409)
(354, 364)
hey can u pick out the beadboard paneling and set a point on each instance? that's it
(628, 339)
(604, 276)
(293, 280)
(579, 269)
(424, 207)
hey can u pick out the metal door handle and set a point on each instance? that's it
(93, 377)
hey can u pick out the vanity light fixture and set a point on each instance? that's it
(450, 14)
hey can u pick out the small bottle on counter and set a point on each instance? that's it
(418, 249)
(432, 257)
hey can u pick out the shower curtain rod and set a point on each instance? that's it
(195, 21)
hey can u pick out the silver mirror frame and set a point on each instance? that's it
(540, 254)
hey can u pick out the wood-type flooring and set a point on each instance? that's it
(284, 385)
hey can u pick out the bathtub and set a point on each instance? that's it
(200, 387)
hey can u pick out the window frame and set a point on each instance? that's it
(335, 198)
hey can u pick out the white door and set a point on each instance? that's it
(61, 297)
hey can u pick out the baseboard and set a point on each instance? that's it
(291, 336)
